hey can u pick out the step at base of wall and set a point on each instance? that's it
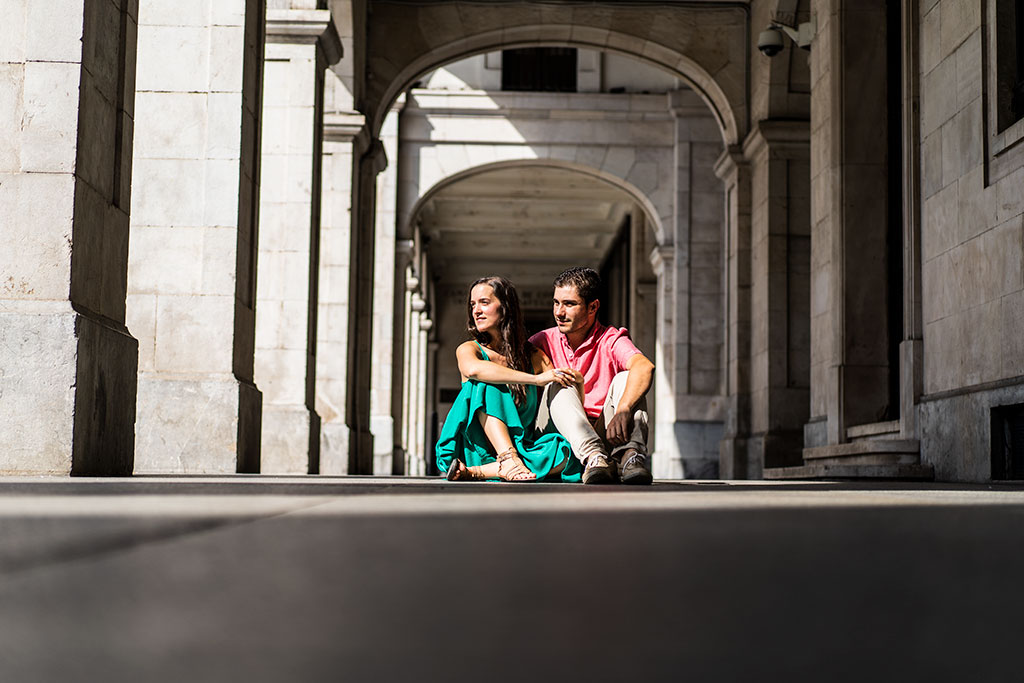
(867, 459)
(823, 471)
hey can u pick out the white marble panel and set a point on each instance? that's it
(175, 125)
(168, 192)
(12, 95)
(227, 45)
(179, 13)
(141, 322)
(221, 196)
(49, 134)
(166, 260)
(184, 327)
(52, 29)
(173, 58)
(35, 214)
(224, 112)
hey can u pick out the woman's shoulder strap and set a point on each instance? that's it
(482, 350)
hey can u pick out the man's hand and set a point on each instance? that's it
(619, 427)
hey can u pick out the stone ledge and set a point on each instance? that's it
(831, 471)
(867, 447)
(874, 429)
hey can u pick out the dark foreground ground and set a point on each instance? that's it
(377, 579)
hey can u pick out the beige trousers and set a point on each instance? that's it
(561, 409)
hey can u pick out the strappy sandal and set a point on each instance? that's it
(517, 469)
(456, 472)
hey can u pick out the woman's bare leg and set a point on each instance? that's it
(501, 441)
(488, 471)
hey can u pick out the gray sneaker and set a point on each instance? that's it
(600, 470)
(634, 468)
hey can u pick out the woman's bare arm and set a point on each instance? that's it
(542, 363)
(473, 366)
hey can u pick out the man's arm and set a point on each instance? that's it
(638, 381)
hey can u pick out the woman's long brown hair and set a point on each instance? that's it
(511, 330)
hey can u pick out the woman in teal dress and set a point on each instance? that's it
(490, 430)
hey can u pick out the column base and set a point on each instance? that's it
(398, 461)
(67, 394)
(777, 448)
(197, 426)
(334, 440)
(383, 427)
(736, 459)
(691, 451)
(360, 452)
(291, 440)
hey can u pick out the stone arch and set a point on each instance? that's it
(658, 211)
(730, 109)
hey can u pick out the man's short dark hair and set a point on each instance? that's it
(586, 281)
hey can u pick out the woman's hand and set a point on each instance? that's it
(566, 377)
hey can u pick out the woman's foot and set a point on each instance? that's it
(511, 467)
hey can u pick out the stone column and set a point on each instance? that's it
(67, 362)
(734, 459)
(413, 438)
(402, 307)
(423, 388)
(340, 132)
(191, 285)
(301, 44)
(688, 264)
(667, 462)
(779, 156)
(367, 164)
(912, 345)
(381, 421)
(430, 398)
(849, 325)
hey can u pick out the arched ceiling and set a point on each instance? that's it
(524, 222)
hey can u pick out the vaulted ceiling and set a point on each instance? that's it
(524, 222)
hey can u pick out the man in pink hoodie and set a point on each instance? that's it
(608, 429)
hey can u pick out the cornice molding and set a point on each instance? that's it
(343, 126)
(305, 27)
(787, 138)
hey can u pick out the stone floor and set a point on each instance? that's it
(379, 579)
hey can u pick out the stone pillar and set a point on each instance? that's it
(191, 284)
(414, 464)
(430, 399)
(340, 132)
(301, 44)
(367, 164)
(779, 156)
(688, 266)
(402, 308)
(912, 345)
(734, 459)
(667, 462)
(423, 388)
(67, 362)
(381, 421)
(849, 325)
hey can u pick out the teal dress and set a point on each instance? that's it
(463, 437)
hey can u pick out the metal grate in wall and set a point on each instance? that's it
(1008, 442)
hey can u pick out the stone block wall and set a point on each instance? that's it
(972, 240)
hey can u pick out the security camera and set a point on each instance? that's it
(770, 42)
